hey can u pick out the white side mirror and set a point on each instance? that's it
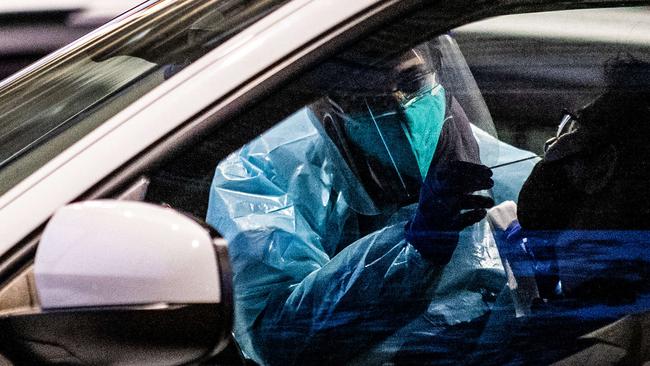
(118, 253)
(125, 282)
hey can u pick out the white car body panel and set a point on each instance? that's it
(32, 202)
(119, 253)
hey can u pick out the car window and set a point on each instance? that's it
(315, 209)
(389, 220)
(573, 87)
(55, 103)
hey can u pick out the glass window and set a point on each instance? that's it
(573, 87)
(329, 214)
(389, 221)
(48, 108)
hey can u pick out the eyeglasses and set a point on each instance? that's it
(566, 125)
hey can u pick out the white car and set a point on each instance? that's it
(109, 146)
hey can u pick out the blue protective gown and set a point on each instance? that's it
(310, 286)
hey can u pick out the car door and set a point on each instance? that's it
(257, 190)
(169, 139)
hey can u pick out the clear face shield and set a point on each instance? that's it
(387, 118)
(387, 127)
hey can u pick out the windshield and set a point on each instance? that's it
(48, 108)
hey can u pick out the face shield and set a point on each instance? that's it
(392, 120)
(386, 121)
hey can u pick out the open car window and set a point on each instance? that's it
(350, 221)
(55, 103)
(315, 209)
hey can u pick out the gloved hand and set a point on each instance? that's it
(532, 278)
(447, 206)
(517, 262)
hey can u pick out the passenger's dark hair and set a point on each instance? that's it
(621, 117)
(628, 74)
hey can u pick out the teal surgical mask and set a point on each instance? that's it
(425, 116)
(390, 149)
(376, 148)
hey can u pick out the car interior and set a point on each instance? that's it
(529, 74)
(523, 94)
(518, 82)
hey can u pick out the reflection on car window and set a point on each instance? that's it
(45, 110)
(575, 242)
(331, 215)
(387, 223)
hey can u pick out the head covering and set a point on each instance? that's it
(386, 119)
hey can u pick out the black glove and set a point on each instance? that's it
(445, 193)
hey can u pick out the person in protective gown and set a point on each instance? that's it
(358, 214)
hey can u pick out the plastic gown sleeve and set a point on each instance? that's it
(303, 292)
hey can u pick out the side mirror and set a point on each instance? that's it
(124, 283)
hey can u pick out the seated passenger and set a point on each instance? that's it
(355, 215)
(583, 219)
